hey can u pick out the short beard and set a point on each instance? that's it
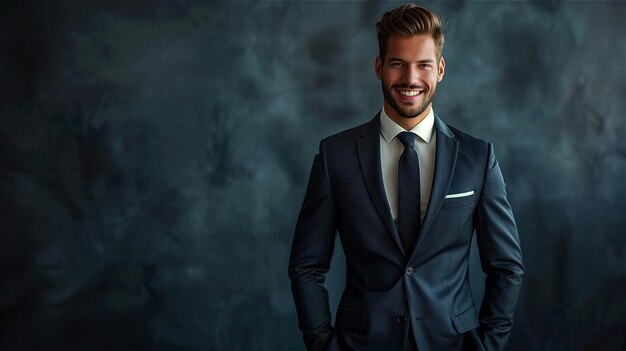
(389, 99)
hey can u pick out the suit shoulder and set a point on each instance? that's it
(469, 141)
(349, 133)
(344, 137)
(463, 136)
(478, 149)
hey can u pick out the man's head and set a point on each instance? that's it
(409, 63)
(408, 20)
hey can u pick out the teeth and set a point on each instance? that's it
(409, 92)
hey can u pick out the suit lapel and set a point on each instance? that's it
(445, 161)
(368, 146)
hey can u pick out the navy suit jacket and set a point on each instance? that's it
(389, 292)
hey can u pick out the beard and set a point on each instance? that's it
(407, 112)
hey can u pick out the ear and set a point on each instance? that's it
(441, 69)
(378, 67)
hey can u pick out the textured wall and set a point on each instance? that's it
(154, 157)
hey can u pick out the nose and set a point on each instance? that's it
(411, 75)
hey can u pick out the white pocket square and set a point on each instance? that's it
(467, 193)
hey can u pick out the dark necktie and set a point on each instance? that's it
(408, 193)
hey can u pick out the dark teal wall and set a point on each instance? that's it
(154, 156)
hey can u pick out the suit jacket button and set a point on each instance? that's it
(401, 320)
(409, 271)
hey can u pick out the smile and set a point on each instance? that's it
(409, 92)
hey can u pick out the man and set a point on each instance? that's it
(406, 193)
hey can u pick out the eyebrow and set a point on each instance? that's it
(394, 59)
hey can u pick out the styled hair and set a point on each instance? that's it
(407, 20)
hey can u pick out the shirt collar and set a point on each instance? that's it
(423, 129)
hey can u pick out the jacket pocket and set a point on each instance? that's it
(350, 316)
(459, 201)
(465, 320)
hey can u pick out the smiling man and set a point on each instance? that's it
(406, 193)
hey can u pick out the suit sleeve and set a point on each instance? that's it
(311, 252)
(500, 257)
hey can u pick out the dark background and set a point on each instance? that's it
(154, 156)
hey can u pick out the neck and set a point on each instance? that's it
(406, 123)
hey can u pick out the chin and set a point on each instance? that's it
(413, 113)
(408, 116)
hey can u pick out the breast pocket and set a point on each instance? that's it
(462, 201)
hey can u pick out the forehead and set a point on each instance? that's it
(414, 47)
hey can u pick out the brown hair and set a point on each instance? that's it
(409, 19)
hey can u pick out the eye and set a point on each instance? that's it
(396, 64)
(425, 65)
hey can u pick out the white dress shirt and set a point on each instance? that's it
(390, 150)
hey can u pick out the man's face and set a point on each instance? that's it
(409, 75)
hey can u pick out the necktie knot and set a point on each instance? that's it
(407, 139)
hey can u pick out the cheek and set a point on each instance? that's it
(432, 79)
(391, 76)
